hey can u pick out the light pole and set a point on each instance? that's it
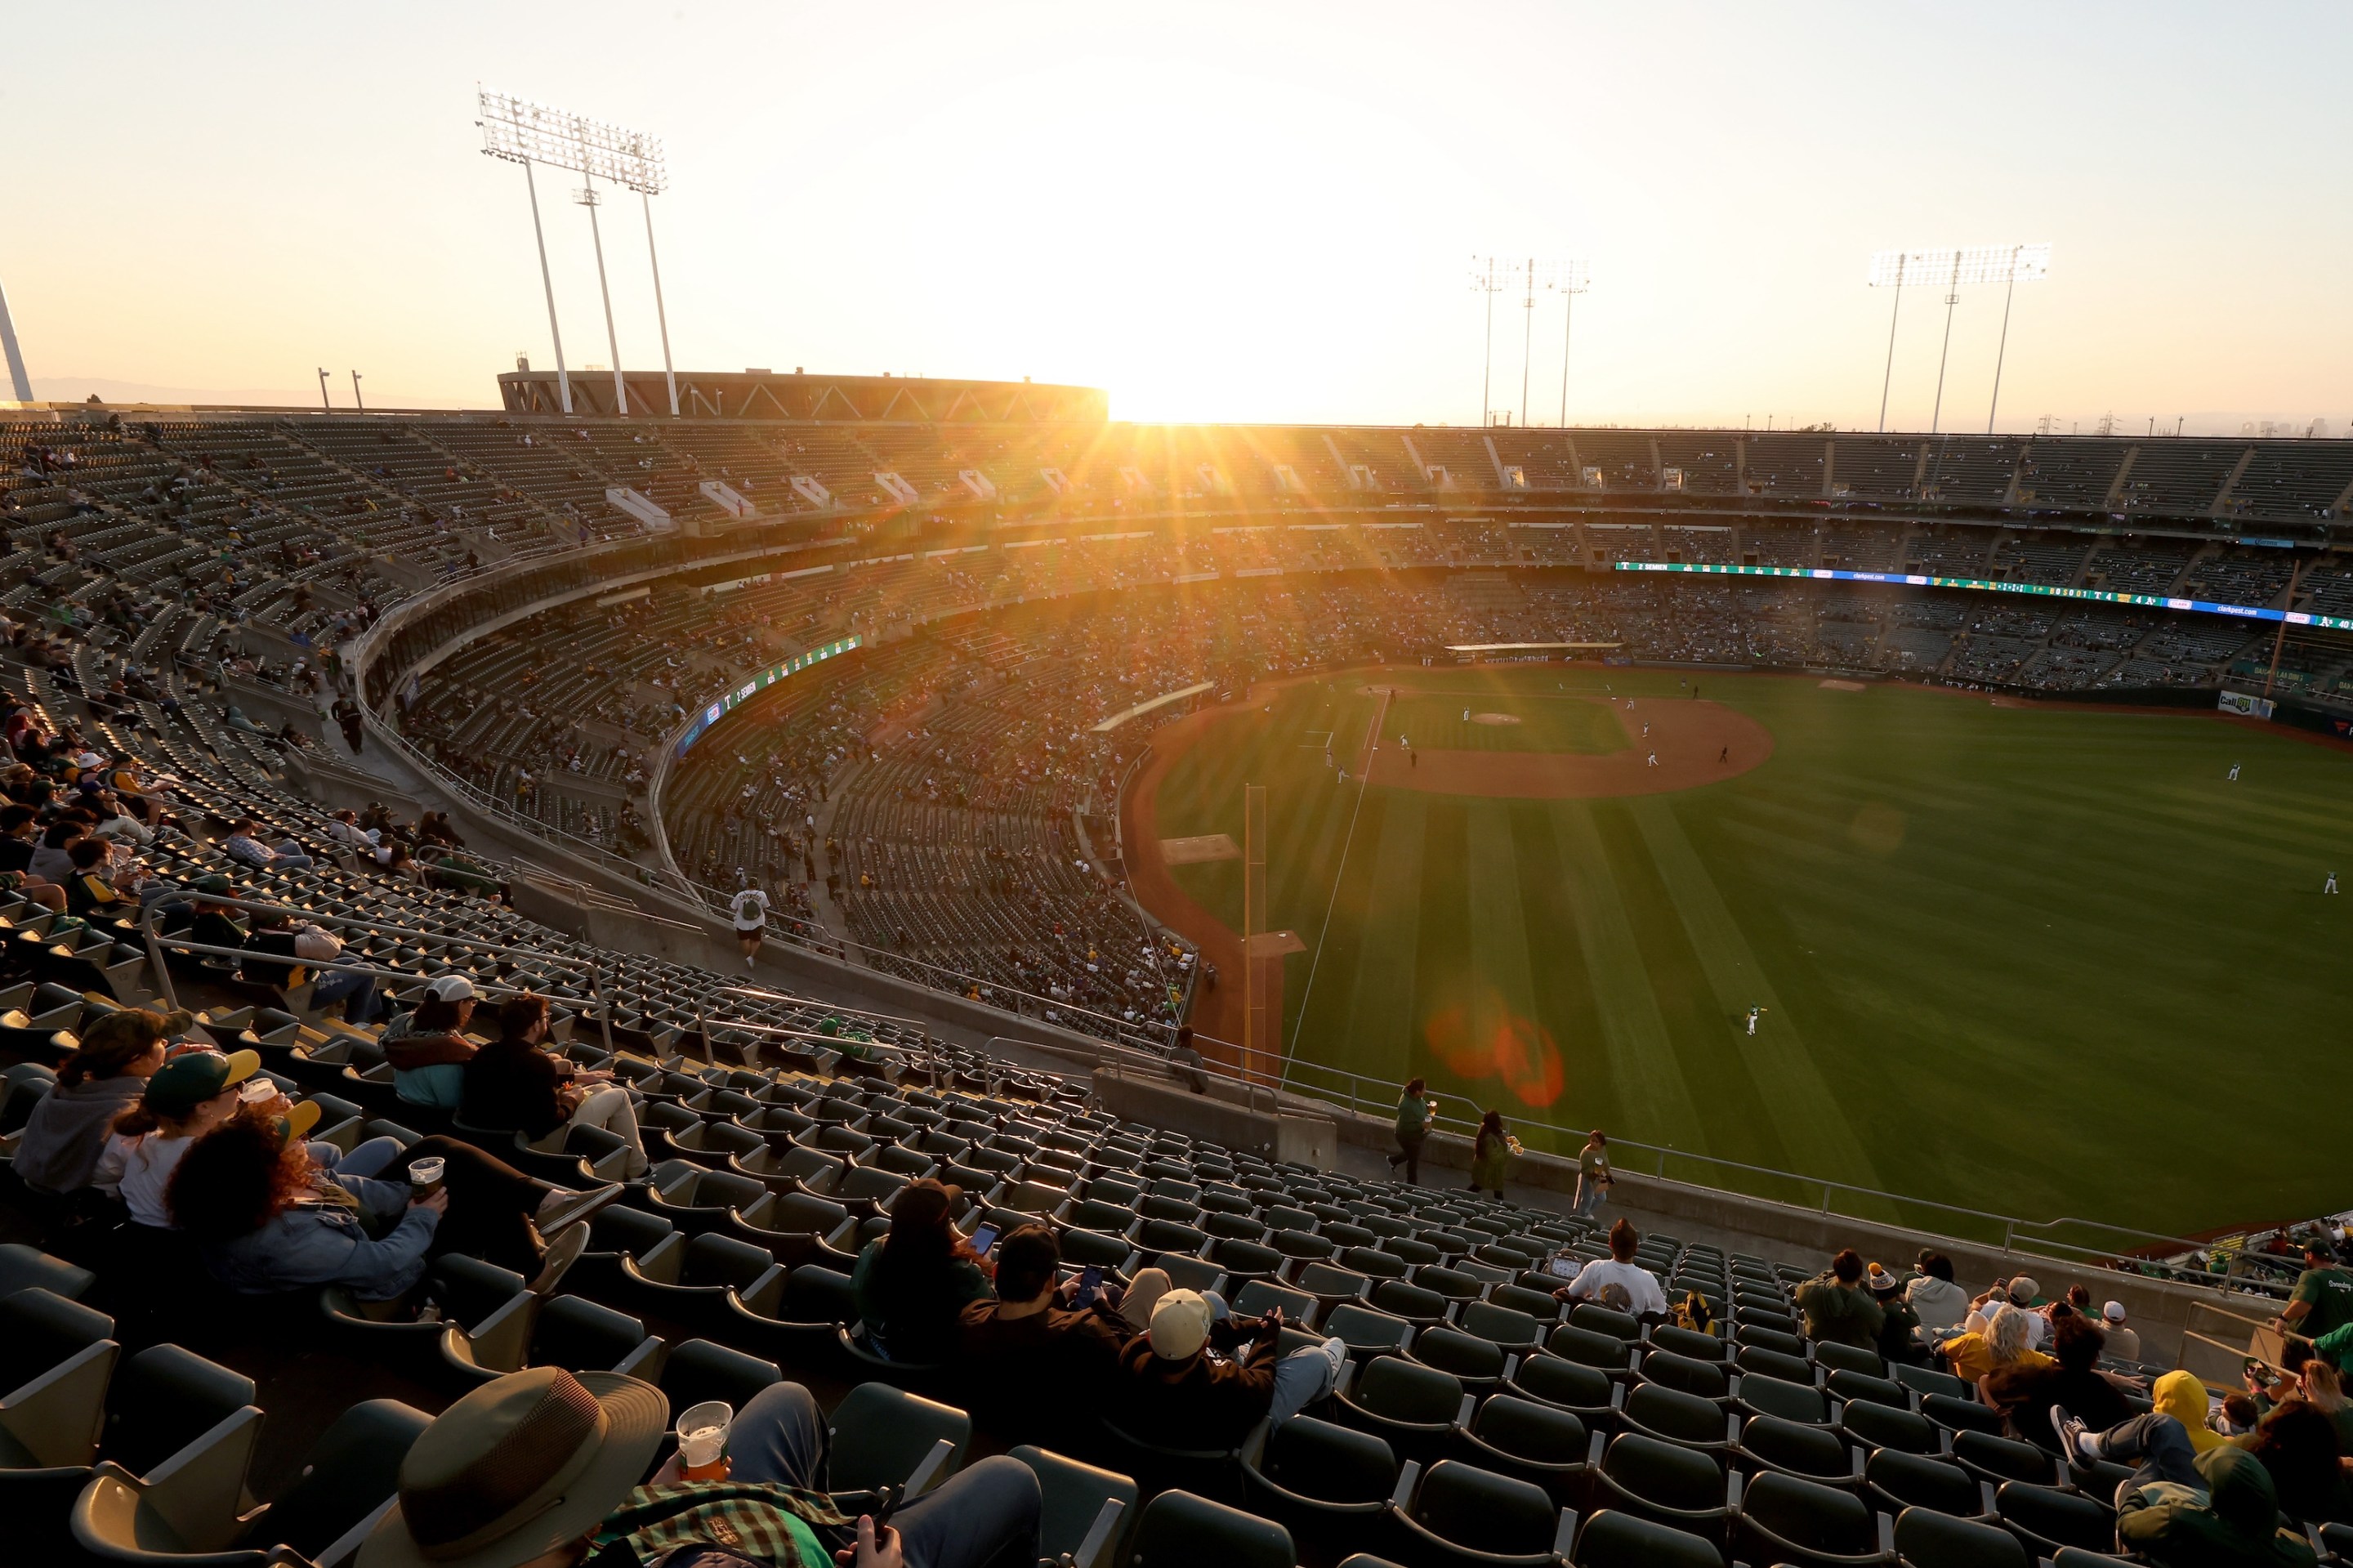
(1485, 280)
(2028, 263)
(523, 132)
(586, 196)
(19, 382)
(330, 407)
(2006, 264)
(356, 403)
(1572, 279)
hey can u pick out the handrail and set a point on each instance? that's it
(2013, 1229)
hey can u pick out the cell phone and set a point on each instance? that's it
(1090, 1282)
(983, 1239)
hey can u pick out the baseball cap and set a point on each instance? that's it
(213, 882)
(187, 1081)
(451, 988)
(2024, 1289)
(298, 1121)
(2114, 1311)
(1180, 1325)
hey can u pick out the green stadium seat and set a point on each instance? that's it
(879, 1435)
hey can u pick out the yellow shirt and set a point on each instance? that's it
(1972, 1357)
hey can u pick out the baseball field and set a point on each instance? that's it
(2041, 959)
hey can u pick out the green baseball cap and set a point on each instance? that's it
(188, 1080)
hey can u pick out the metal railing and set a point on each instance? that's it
(2092, 1242)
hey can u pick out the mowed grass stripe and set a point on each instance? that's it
(1804, 1112)
(1643, 1063)
(1369, 968)
(1443, 970)
(1503, 997)
(1564, 1000)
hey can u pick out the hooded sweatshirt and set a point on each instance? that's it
(2236, 1524)
(69, 1129)
(2180, 1396)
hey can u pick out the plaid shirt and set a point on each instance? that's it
(772, 1524)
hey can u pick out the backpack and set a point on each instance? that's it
(1691, 1313)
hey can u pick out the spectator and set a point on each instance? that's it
(2322, 1302)
(2026, 1395)
(20, 836)
(1186, 1062)
(2124, 1339)
(1201, 1378)
(52, 862)
(2324, 1391)
(1838, 1309)
(355, 988)
(269, 1219)
(536, 1468)
(188, 1096)
(1899, 1333)
(242, 846)
(66, 1134)
(1940, 1304)
(513, 1083)
(912, 1282)
(1036, 1332)
(1593, 1179)
(2297, 1444)
(2000, 1343)
(1415, 1109)
(2185, 1508)
(2181, 1396)
(91, 891)
(1491, 1156)
(428, 1047)
(1618, 1282)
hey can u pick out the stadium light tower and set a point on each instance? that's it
(1571, 279)
(523, 132)
(1536, 275)
(1488, 277)
(20, 384)
(1956, 265)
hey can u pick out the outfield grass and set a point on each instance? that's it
(2044, 961)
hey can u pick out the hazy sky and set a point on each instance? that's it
(1261, 211)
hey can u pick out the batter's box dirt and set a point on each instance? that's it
(1199, 850)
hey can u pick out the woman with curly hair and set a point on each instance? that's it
(269, 1218)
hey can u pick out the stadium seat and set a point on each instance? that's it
(2047, 1518)
(1878, 1425)
(1085, 1512)
(1540, 1444)
(1667, 1484)
(1897, 1481)
(1328, 1485)
(1999, 1459)
(1180, 1529)
(1458, 1516)
(1677, 1417)
(699, 1371)
(1769, 1443)
(25, 1267)
(1585, 1392)
(1411, 1406)
(56, 1357)
(1786, 1520)
(879, 1435)
(1614, 1538)
(1925, 1538)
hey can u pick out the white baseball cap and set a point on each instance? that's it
(451, 988)
(2114, 1311)
(1180, 1325)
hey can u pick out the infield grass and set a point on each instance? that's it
(2043, 961)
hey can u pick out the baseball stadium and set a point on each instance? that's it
(627, 969)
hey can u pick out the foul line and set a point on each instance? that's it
(1372, 744)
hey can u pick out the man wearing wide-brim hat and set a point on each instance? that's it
(539, 1469)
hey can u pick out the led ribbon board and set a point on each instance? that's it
(758, 684)
(1984, 585)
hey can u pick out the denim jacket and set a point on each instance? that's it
(324, 1243)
